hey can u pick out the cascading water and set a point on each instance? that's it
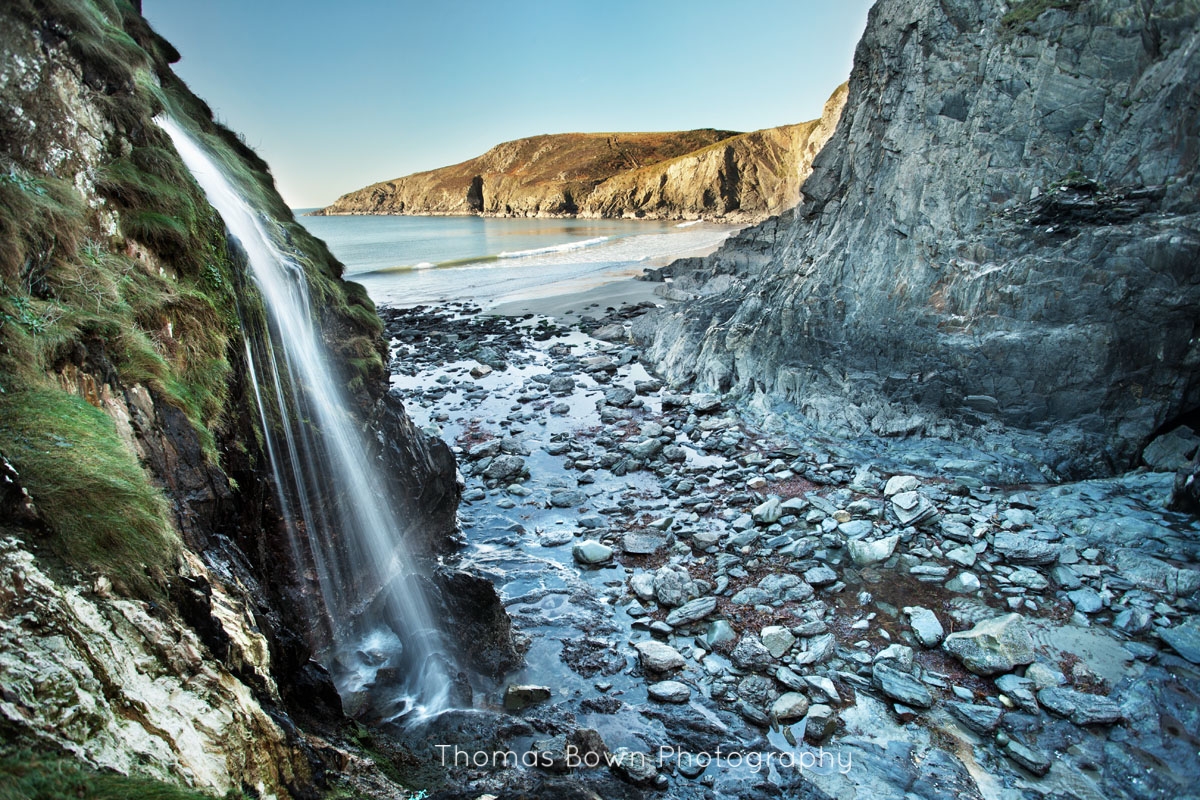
(340, 526)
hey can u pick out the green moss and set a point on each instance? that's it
(26, 776)
(41, 218)
(89, 487)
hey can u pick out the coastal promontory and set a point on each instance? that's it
(709, 174)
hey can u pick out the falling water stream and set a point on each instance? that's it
(340, 526)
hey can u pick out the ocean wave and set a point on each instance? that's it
(555, 248)
(689, 224)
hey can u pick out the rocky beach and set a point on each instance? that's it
(684, 585)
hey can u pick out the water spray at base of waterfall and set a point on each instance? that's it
(375, 631)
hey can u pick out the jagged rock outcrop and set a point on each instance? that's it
(149, 620)
(685, 175)
(1004, 228)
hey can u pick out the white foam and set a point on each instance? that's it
(689, 224)
(556, 248)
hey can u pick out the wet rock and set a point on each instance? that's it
(900, 686)
(778, 640)
(618, 396)
(964, 583)
(790, 706)
(692, 611)
(592, 552)
(913, 508)
(1020, 548)
(1172, 451)
(992, 646)
(1019, 690)
(642, 585)
(751, 596)
(751, 654)
(1134, 621)
(979, 718)
(1086, 600)
(754, 716)
(480, 371)
(719, 632)
(1080, 707)
(856, 529)
(900, 656)
(820, 576)
(658, 657)
(551, 753)
(1044, 675)
(963, 556)
(820, 723)
(646, 449)
(821, 688)
(567, 498)
(1033, 760)
(674, 587)
(561, 384)
(1185, 639)
(898, 484)
(471, 607)
(506, 468)
(669, 692)
(642, 544)
(703, 403)
(634, 766)
(1029, 578)
(866, 553)
(767, 513)
(518, 697)
(757, 690)
(925, 626)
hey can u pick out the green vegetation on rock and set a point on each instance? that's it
(26, 776)
(88, 487)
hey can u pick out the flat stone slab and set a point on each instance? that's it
(692, 611)
(993, 646)
(1080, 707)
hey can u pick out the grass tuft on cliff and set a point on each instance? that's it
(26, 776)
(89, 487)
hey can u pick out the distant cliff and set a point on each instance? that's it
(1001, 235)
(682, 175)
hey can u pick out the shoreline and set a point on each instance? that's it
(569, 300)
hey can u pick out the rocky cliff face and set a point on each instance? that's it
(148, 621)
(1000, 236)
(685, 175)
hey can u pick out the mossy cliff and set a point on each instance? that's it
(146, 622)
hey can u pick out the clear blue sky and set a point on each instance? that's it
(336, 95)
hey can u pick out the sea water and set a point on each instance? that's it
(407, 260)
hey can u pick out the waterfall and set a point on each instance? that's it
(379, 628)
